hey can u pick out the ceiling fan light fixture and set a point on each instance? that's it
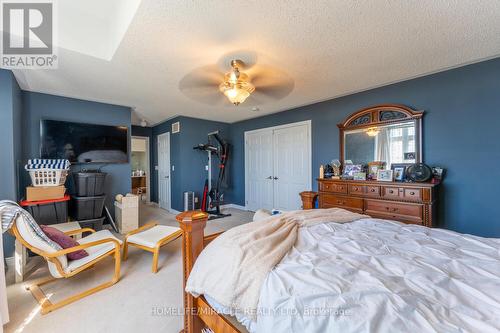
(236, 95)
(236, 86)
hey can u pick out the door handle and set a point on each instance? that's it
(270, 177)
(275, 178)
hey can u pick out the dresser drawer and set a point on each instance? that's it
(372, 191)
(392, 192)
(333, 187)
(357, 189)
(400, 218)
(414, 194)
(394, 208)
(329, 200)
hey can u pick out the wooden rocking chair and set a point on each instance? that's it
(99, 245)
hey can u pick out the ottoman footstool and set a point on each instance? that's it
(151, 237)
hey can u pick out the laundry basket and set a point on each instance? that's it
(44, 172)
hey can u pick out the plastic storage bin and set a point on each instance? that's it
(48, 211)
(87, 208)
(95, 224)
(89, 183)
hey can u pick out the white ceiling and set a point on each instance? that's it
(329, 48)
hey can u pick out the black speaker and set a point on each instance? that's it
(418, 172)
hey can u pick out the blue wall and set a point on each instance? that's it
(10, 144)
(42, 106)
(193, 162)
(189, 173)
(460, 133)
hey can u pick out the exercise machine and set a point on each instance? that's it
(213, 198)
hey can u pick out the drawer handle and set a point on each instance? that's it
(393, 209)
(412, 193)
(391, 191)
(372, 190)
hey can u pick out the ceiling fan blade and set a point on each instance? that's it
(202, 85)
(271, 83)
(202, 77)
(206, 95)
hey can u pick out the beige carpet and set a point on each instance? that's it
(139, 302)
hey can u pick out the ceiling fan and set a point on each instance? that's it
(253, 84)
(236, 85)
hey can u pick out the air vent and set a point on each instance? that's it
(176, 127)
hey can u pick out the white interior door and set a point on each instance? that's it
(292, 166)
(259, 170)
(164, 171)
(277, 166)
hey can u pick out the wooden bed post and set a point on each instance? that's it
(308, 199)
(192, 224)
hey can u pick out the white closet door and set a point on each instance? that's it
(292, 166)
(259, 163)
(164, 170)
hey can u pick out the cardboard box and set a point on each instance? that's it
(45, 193)
(126, 218)
(130, 201)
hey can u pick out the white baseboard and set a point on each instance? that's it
(173, 211)
(233, 206)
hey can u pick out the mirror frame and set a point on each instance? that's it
(379, 115)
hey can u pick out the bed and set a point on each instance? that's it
(369, 275)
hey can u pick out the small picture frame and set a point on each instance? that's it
(359, 176)
(373, 168)
(399, 170)
(351, 169)
(385, 175)
(437, 174)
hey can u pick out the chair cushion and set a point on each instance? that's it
(68, 226)
(34, 240)
(64, 241)
(94, 251)
(150, 237)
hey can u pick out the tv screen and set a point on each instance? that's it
(83, 143)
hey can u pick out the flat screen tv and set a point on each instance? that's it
(83, 143)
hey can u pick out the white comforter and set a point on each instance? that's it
(380, 276)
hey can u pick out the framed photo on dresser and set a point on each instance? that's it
(385, 175)
(399, 170)
(373, 168)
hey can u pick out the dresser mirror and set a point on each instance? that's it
(385, 133)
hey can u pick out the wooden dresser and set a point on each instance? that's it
(413, 203)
